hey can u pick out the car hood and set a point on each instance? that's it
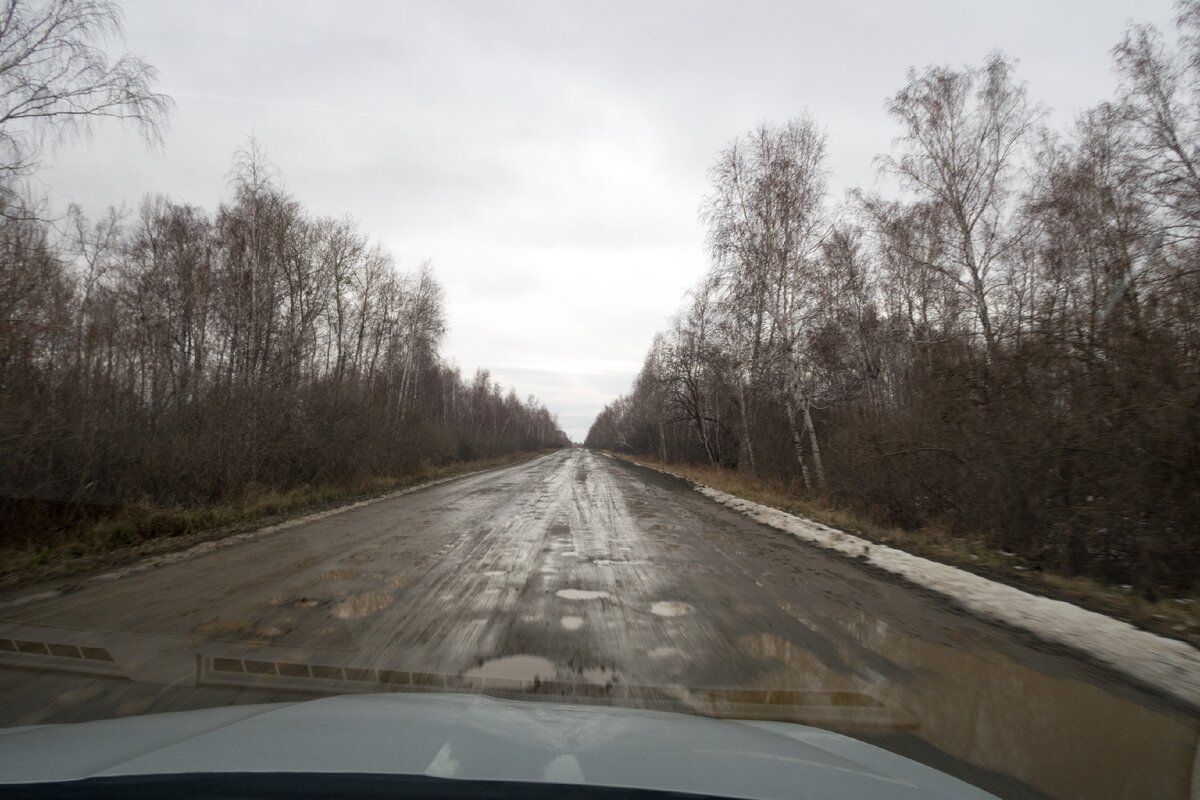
(477, 738)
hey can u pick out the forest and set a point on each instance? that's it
(1002, 342)
(173, 356)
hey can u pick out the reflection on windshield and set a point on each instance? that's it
(1058, 736)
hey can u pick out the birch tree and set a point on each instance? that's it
(962, 137)
(56, 80)
(766, 220)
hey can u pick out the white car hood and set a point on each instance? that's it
(475, 737)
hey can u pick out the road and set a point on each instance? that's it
(580, 577)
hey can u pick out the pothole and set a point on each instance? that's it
(230, 629)
(600, 676)
(337, 575)
(571, 623)
(581, 594)
(670, 608)
(514, 668)
(221, 627)
(362, 605)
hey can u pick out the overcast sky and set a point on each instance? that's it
(549, 158)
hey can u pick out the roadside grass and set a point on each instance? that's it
(1178, 618)
(135, 531)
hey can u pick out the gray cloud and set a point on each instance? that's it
(549, 157)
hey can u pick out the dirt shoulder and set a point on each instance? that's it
(136, 534)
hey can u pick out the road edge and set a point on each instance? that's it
(1168, 665)
(154, 561)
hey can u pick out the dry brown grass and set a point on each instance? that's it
(1178, 618)
(136, 531)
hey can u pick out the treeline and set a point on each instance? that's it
(1007, 347)
(179, 356)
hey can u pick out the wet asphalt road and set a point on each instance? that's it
(579, 577)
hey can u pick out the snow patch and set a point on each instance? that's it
(1167, 664)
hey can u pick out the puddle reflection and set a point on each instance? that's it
(600, 676)
(362, 605)
(520, 669)
(582, 594)
(1064, 737)
(667, 608)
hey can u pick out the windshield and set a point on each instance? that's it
(829, 366)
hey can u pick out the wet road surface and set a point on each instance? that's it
(578, 577)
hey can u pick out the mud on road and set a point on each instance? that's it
(581, 578)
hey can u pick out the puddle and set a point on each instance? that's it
(581, 594)
(665, 652)
(669, 608)
(600, 676)
(526, 669)
(229, 629)
(571, 623)
(221, 627)
(293, 602)
(614, 562)
(337, 575)
(1066, 738)
(362, 605)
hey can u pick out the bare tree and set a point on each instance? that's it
(765, 218)
(688, 357)
(766, 221)
(56, 79)
(962, 134)
(1007, 348)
